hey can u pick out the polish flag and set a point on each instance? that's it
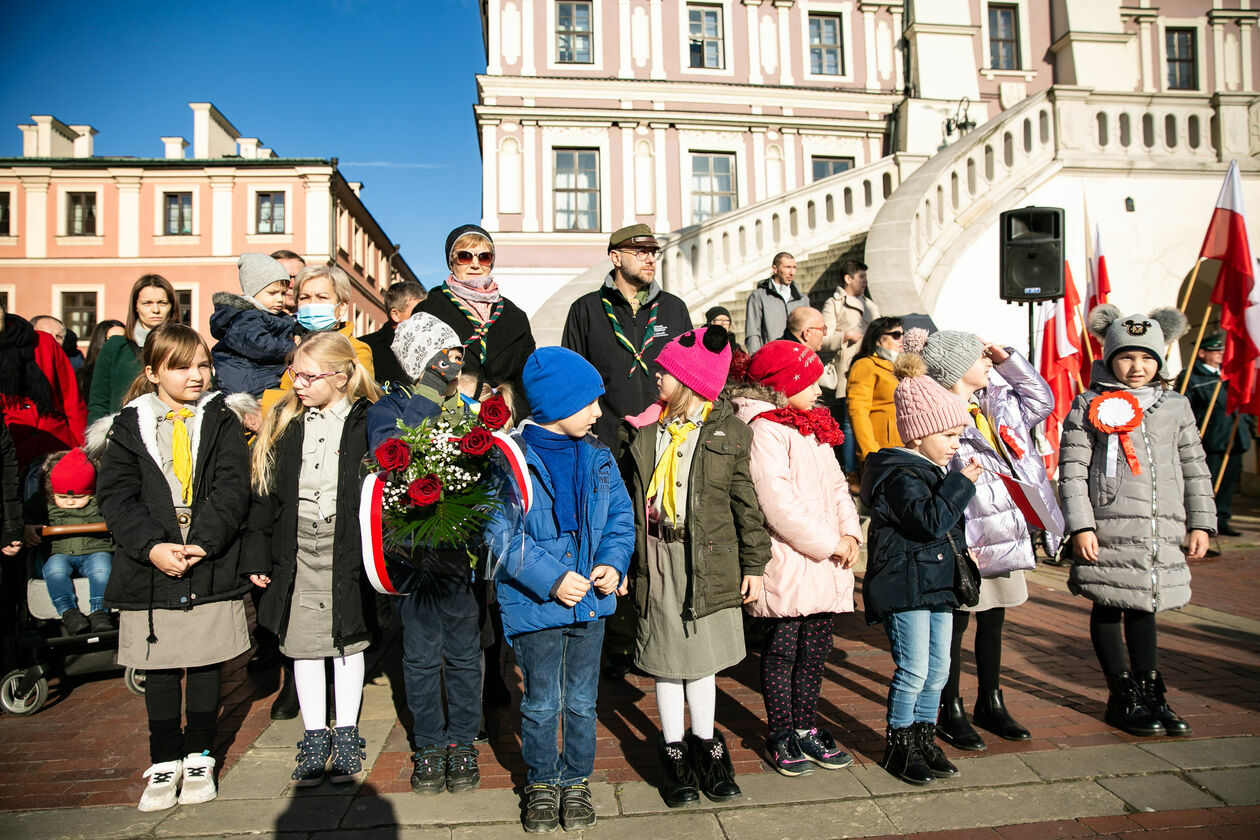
(1099, 285)
(1236, 293)
(1059, 361)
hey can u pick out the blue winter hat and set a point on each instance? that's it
(559, 383)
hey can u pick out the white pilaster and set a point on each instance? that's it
(899, 58)
(785, 42)
(759, 164)
(658, 51)
(527, 38)
(494, 62)
(221, 215)
(1144, 51)
(623, 47)
(1218, 56)
(868, 26)
(752, 9)
(791, 140)
(661, 156)
(533, 166)
(1245, 40)
(128, 215)
(627, 169)
(318, 214)
(490, 176)
(36, 213)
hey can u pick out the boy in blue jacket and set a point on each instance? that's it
(255, 335)
(558, 569)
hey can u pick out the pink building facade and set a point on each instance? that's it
(77, 230)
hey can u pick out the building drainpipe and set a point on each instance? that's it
(332, 215)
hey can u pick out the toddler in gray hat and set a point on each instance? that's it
(255, 334)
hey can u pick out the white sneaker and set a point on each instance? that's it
(163, 778)
(198, 780)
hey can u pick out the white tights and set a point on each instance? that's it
(700, 696)
(311, 680)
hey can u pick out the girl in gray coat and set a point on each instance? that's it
(1134, 481)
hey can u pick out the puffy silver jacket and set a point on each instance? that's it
(1140, 519)
(997, 532)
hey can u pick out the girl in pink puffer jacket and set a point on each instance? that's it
(814, 534)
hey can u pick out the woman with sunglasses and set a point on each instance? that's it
(870, 388)
(495, 332)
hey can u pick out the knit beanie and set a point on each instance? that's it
(257, 272)
(948, 354)
(418, 339)
(559, 383)
(714, 311)
(786, 366)
(73, 474)
(923, 405)
(699, 359)
(1149, 333)
(453, 237)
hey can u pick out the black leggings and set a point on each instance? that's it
(792, 663)
(167, 740)
(1110, 643)
(988, 650)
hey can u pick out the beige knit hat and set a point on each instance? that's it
(923, 406)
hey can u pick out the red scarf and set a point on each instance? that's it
(817, 422)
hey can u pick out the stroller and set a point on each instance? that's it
(52, 654)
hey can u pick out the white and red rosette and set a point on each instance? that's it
(1118, 413)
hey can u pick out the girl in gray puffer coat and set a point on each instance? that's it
(1134, 481)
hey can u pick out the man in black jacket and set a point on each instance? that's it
(400, 299)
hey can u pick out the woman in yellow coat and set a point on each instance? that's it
(871, 385)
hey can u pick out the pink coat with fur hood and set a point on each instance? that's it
(805, 498)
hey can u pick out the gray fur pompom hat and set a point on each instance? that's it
(418, 339)
(1151, 333)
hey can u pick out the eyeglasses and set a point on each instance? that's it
(897, 334)
(822, 329)
(466, 257)
(307, 379)
(643, 253)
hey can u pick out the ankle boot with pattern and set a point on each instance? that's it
(990, 713)
(678, 780)
(347, 755)
(1154, 691)
(904, 759)
(712, 764)
(312, 757)
(954, 728)
(1126, 707)
(933, 757)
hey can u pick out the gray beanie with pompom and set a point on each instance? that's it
(1150, 333)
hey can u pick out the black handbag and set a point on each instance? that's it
(966, 576)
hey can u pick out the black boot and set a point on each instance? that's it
(1126, 707)
(1225, 530)
(712, 765)
(75, 622)
(1153, 691)
(285, 706)
(678, 780)
(990, 713)
(904, 759)
(941, 767)
(953, 727)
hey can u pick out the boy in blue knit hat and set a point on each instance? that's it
(559, 566)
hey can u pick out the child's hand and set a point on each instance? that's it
(260, 581)
(624, 589)
(972, 470)
(33, 534)
(996, 352)
(192, 553)
(846, 553)
(169, 559)
(12, 548)
(751, 588)
(572, 588)
(605, 579)
(1085, 545)
(1197, 545)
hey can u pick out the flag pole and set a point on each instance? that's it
(1225, 461)
(1089, 348)
(1185, 300)
(1198, 339)
(1207, 415)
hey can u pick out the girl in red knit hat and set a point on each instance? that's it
(701, 547)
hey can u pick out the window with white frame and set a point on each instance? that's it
(78, 311)
(1181, 56)
(1003, 36)
(185, 300)
(712, 184)
(177, 214)
(4, 299)
(5, 224)
(81, 214)
(269, 212)
(704, 34)
(826, 52)
(576, 189)
(824, 166)
(574, 33)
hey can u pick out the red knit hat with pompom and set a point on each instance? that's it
(785, 366)
(73, 475)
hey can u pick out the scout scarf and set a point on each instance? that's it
(1115, 414)
(649, 333)
(481, 325)
(665, 476)
(181, 452)
(817, 422)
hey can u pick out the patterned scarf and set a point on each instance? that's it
(665, 476)
(181, 451)
(817, 422)
(649, 333)
(480, 297)
(481, 323)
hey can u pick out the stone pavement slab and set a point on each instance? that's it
(1160, 792)
(758, 789)
(811, 821)
(1234, 787)
(956, 809)
(68, 823)
(388, 834)
(1091, 762)
(483, 806)
(226, 817)
(991, 771)
(1217, 752)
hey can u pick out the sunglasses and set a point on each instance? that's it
(307, 379)
(897, 334)
(466, 257)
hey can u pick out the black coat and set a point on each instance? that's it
(271, 538)
(10, 489)
(136, 501)
(916, 510)
(383, 359)
(588, 333)
(508, 343)
(1216, 438)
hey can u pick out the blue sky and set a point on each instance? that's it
(386, 87)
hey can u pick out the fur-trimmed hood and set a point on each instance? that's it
(234, 301)
(753, 398)
(147, 417)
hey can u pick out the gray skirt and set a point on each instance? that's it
(309, 631)
(1008, 590)
(205, 635)
(667, 646)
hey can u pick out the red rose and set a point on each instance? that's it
(393, 455)
(425, 491)
(477, 442)
(495, 413)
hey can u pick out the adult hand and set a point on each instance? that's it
(751, 588)
(996, 352)
(12, 548)
(572, 588)
(972, 470)
(260, 581)
(1198, 545)
(846, 553)
(605, 579)
(33, 534)
(1085, 546)
(169, 559)
(252, 420)
(852, 336)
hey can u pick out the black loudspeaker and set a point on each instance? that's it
(1032, 254)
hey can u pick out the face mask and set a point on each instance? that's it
(317, 316)
(886, 354)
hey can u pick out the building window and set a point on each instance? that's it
(1003, 37)
(4, 214)
(825, 166)
(826, 56)
(712, 185)
(573, 33)
(1183, 71)
(185, 299)
(577, 189)
(704, 25)
(270, 212)
(178, 214)
(81, 214)
(4, 301)
(78, 311)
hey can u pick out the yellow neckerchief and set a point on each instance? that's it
(665, 476)
(982, 425)
(181, 451)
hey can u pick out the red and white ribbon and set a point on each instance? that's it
(372, 534)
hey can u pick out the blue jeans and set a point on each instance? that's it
(848, 449)
(57, 573)
(442, 643)
(920, 648)
(561, 671)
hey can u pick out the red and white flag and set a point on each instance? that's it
(1099, 285)
(1236, 293)
(1059, 361)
